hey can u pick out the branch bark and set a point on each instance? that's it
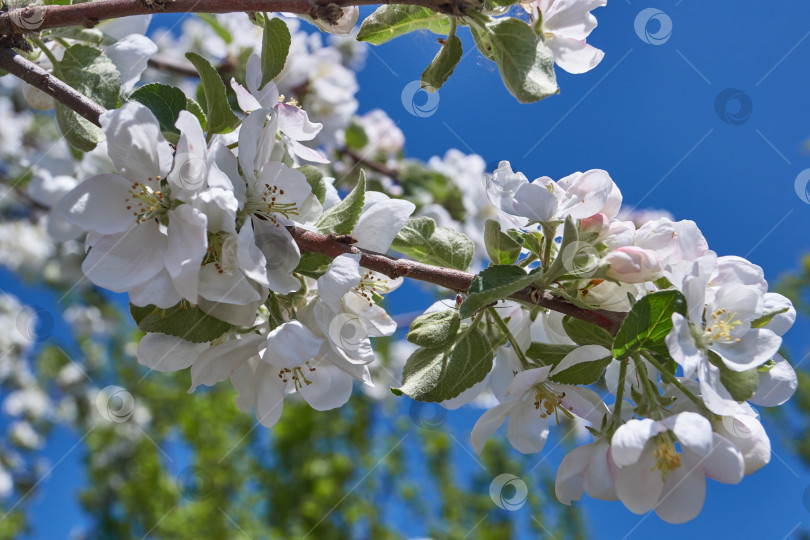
(33, 19)
(329, 245)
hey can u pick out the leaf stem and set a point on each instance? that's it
(512, 341)
(617, 408)
(673, 380)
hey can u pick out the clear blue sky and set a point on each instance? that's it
(648, 115)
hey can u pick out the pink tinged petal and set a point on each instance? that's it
(574, 56)
(246, 101)
(747, 434)
(188, 242)
(342, 275)
(714, 394)
(330, 387)
(135, 143)
(527, 430)
(99, 204)
(290, 345)
(630, 440)
(583, 402)
(725, 464)
(633, 264)
(295, 123)
(580, 355)
(488, 424)
(158, 291)
(269, 395)
(164, 353)
(754, 348)
(190, 163)
(600, 480)
(569, 485)
(122, 261)
(682, 346)
(776, 385)
(130, 56)
(229, 289)
(524, 380)
(306, 153)
(782, 322)
(281, 255)
(217, 363)
(639, 485)
(693, 431)
(684, 492)
(380, 224)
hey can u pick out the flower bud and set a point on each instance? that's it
(633, 265)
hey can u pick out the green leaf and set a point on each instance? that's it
(648, 323)
(90, 72)
(183, 321)
(219, 30)
(548, 354)
(435, 329)
(442, 373)
(164, 101)
(221, 118)
(356, 137)
(584, 373)
(767, 318)
(492, 284)
(525, 62)
(501, 248)
(740, 384)
(275, 48)
(585, 333)
(316, 182)
(422, 240)
(312, 264)
(443, 64)
(194, 108)
(342, 218)
(482, 41)
(388, 22)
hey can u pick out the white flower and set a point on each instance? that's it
(530, 402)
(633, 264)
(653, 475)
(566, 24)
(746, 433)
(590, 469)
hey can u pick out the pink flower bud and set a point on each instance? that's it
(633, 264)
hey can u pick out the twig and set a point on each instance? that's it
(32, 19)
(185, 69)
(48, 83)
(393, 174)
(329, 245)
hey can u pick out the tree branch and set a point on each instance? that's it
(33, 19)
(329, 245)
(48, 83)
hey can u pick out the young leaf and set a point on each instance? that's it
(492, 284)
(316, 182)
(422, 240)
(583, 373)
(481, 38)
(220, 116)
(356, 137)
(342, 218)
(275, 47)
(525, 62)
(442, 373)
(443, 64)
(435, 329)
(648, 323)
(766, 318)
(164, 101)
(548, 354)
(388, 22)
(501, 248)
(183, 321)
(92, 73)
(585, 333)
(741, 385)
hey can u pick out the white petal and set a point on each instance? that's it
(246, 101)
(776, 385)
(188, 242)
(488, 424)
(714, 394)
(269, 395)
(725, 463)
(135, 143)
(130, 56)
(121, 261)
(747, 434)
(639, 485)
(281, 255)
(160, 352)
(290, 345)
(583, 402)
(379, 225)
(630, 440)
(524, 380)
(683, 494)
(238, 315)
(754, 348)
(569, 485)
(330, 387)
(295, 123)
(693, 431)
(782, 322)
(527, 430)
(342, 275)
(599, 477)
(98, 204)
(217, 363)
(158, 290)
(586, 353)
(682, 346)
(574, 56)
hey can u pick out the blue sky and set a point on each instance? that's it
(648, 115)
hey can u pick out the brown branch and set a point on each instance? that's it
(449, 278)
(186, 69)
(381, 168)
(48, 83)
(329, 245)
(33, 19)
